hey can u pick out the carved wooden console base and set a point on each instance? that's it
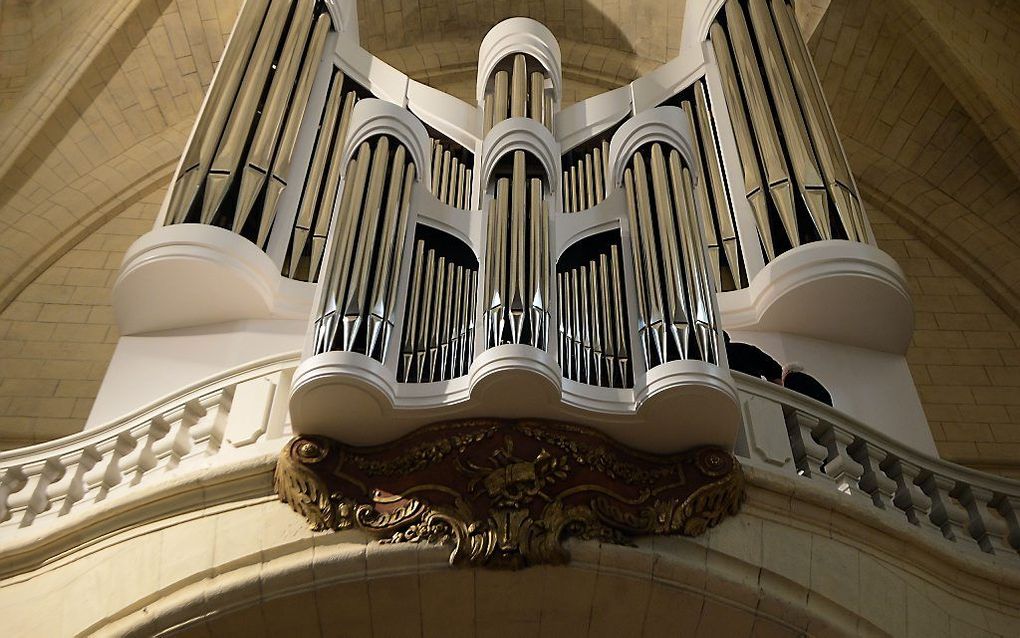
(506, 493)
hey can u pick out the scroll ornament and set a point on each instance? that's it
(506, 493)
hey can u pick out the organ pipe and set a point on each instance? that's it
(214, 116)
(674, 289)
(274, 110)
(227, 160)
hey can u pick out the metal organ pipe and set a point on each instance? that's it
(516, 91)
(358, 307)
(676, 298)
(765, 69)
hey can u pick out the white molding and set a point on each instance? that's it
(521, 134)
(519, 35)
(356, 399)
(666, 124)
(379, 117)
(450, 116)
(836, 290)
(194, 274)
(582, 121)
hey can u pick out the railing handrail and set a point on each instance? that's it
(80, 440)
(836, 418)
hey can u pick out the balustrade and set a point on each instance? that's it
(951, 503)
(54, 479)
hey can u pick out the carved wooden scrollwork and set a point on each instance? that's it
(506, 493)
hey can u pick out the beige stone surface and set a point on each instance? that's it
(964, 355)
(58, 334)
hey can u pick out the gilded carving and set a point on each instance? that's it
(506, 493)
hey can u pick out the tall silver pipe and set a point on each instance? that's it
(424, 325)
(711, 237)
(277, 178)
(313, 183)
(408, 352)
(753, 185)
(383, 258)
(823, 132)
(620, 329)
(260, 153)
(214, 116)
(403, 225)
(777, 175)
(809, 182)
(224, 166)
(519, 87)
(354, 308)
(348, 218)
(638, 258)
(656, 316)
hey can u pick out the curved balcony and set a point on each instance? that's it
(840, 291)
(216, 442)
(194, 274)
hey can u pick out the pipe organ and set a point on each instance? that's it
(717, 214)
(452, 172)
(439, 331)
(321, 183)
(584, 175)
(796, 178)
(239, 158)
(594, 331)
(361, 284)
(518, 89)
(517, 258)
(581, 256)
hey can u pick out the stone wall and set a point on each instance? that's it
(964, 357)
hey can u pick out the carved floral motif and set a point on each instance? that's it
(506, 493)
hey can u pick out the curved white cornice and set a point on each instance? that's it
(667, 124)
(344, 15)
(451, 116)
(520, 134)
(698, 18)
(355, 399)
(379, 117)
(194, 274)
(836, 290)
(519, 35)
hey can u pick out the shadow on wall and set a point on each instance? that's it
(604, 44)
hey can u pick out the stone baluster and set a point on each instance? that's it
(839, 464)
(946, 512)
(987, 523)
(809, 455)
(1007, 507)
(142, 458)
(63, 492)
(106, 472)
(207, 432)
(909, 496)
(975, 526)
(12, 482)
(874, 481)
(178, 441)
(33, 498)
(77, 486)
